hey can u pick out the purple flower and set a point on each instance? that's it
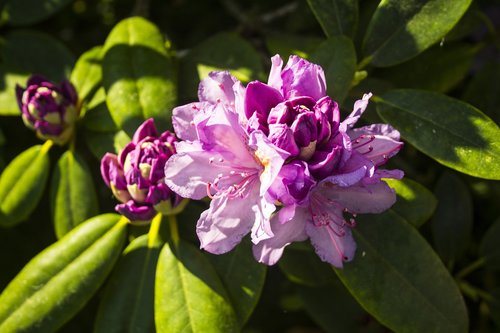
(51, 110)
(322, 172)
(136, 175)
(231, 167)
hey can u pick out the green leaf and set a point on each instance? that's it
(87, 75)
(451, 132)
(401, 29)
(489, 248)
(106, 142)
(302, 266)
(439, 68)
(243, 277)
(336, 17)
(452, 222)
(399, 279)
(287, 44)
(415, 203)
(26, 52)
(22, 184)
(96, 116)
(128, 301)
(338, 59)
(189, 296)
(27, 12)
(73, 195)
(223, 51)
(483, 91)
(138, 75)
(58, 282)
(322, 302)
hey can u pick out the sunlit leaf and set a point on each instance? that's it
(86, 76)
(451, 132)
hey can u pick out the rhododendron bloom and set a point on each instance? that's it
(328, 171)
(136, 175)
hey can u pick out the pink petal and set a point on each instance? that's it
(275, 80)
(269, 251)
(376, 142)
(261, 98)
(146, 129)
(223, 225)
(361, 198)
(217, 88)
(183, 120)
(359, 107)
(332, 244)
(302, 78)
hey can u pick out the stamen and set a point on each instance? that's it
(208, 191)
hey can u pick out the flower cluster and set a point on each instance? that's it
(49, 109)
(278, 163)
(136, 175)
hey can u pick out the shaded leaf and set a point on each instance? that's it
(86, 76)
(489, 248)
(338, 59)
(223, 51)
(58, 282)
(451, 132)
(22, 184)
(288, 44)
(243, 277)
(439, 68)
(73, 195)
(97, 117)
(138, 75)
(26, 12)
(415, 203)
(302, 266)
(336, 17)
(189, 296)
(23, 53)
(483, 91)
(451, 224)
(401, 29)
(399, 279)
(101, 143)
(128, 301)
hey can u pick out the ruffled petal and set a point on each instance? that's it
(261, 228)
(332, 243)
(222, 226)
(135, 212)
(261, 98)
(377, 142)
(360, 198)
(146, 129)
(217, 88)
(275, 80)
(269, 251)
(359, 107)
(302, 78)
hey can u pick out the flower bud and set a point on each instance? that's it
(136, 175)
(49, 109)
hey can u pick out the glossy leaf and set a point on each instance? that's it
(128, 301)
(336, 17)
(451, 132)
(338, 59)
(399, 279)
(22, 184)
(26, 52)
(87, 75)
(138, 75)
(415, 203)
(287, 44)
(401, 29)
(452, 222)
(439, 68)
(97, 117)
(223, 51)
(73, 195)
(106, 142)
(489, 248)
(58, 282)
(243, 278)
(26, 12)
(189, 296)
(483, 91)
(302, 266)
(333, 308)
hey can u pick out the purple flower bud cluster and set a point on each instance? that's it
(136, 175)
(278, 163)
(50, 109)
